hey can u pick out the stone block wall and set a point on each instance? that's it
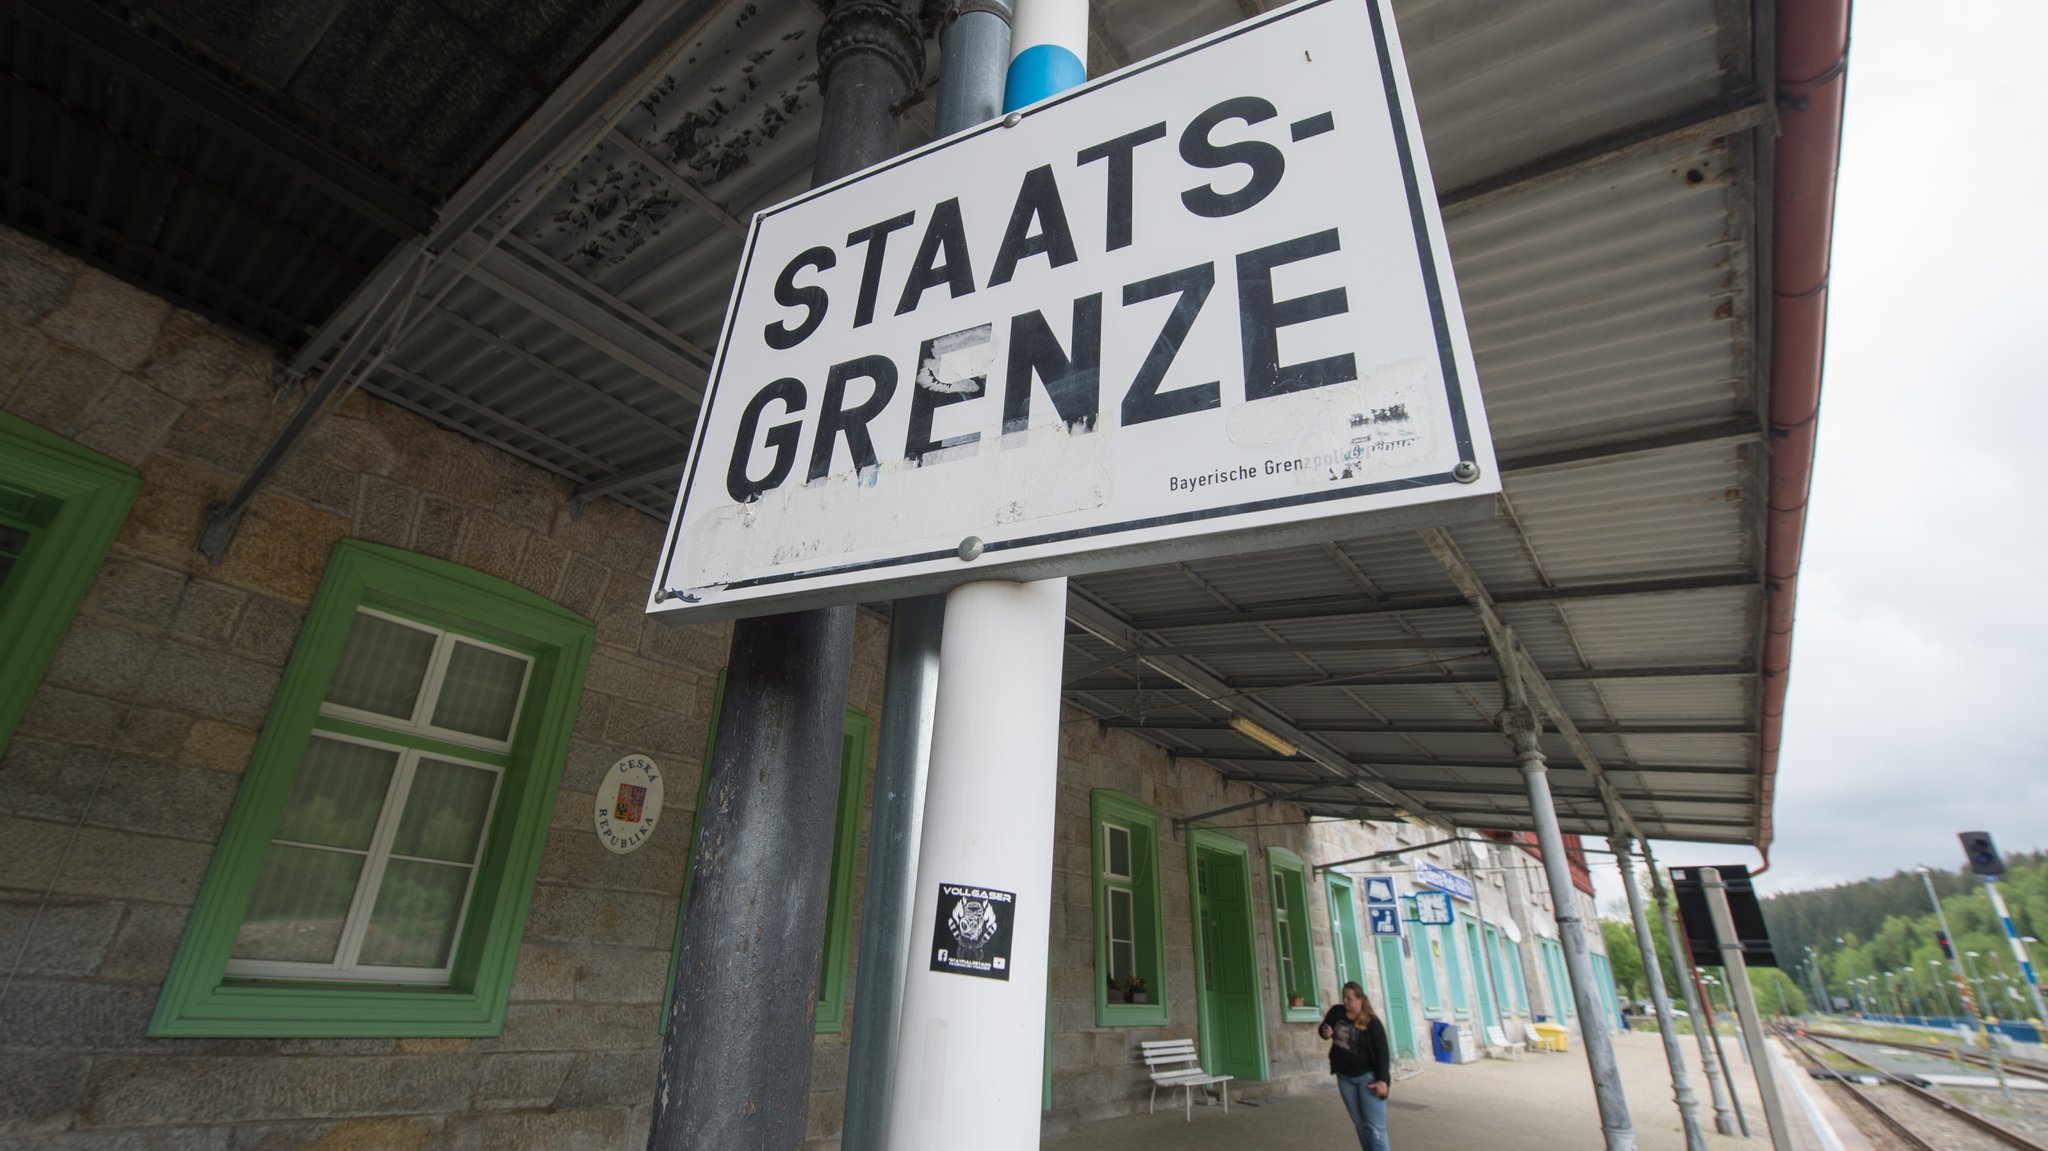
(116, 786)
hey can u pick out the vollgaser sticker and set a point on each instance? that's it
(972, 935)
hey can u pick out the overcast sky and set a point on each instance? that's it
(1918, 705)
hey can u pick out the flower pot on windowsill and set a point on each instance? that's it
(1296, 1001)
(1136, 997)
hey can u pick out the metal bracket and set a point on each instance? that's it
(1271, 797)
(218, 532)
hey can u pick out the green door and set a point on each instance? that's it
(1425, 974)
(1233, 1039)
(1454, 972)
(1561, 1005)
(1344, 929)
(1394, 998)
(1503, 993)
(1482, 981)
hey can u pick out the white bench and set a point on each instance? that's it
(1173, 1063)
(1497, 1039)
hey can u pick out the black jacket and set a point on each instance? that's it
(1353, 1052)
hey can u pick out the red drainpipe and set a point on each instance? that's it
(1813, 53)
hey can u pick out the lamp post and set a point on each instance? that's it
(1976, 977)
(1955, 952)
(1827, 1004)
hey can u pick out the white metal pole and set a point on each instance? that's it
(2019, 952)
(972, 1047)
(971, 1053)
(1724, 1111)
(1519, 723)
(1745, 1005)
(1048, 50)
(1653, 974)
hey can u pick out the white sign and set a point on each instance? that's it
(628, 803)
(1379, 889)
(1442, 880)
(1201, 304)
(1385, 920)
(1433, 907)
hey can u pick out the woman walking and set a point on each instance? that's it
(1358, 1058)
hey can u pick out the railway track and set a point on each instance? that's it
(1920, 1119)
(1970, 1055)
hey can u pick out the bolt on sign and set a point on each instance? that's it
(1200, 305)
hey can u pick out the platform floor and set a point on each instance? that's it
(1538, 1102)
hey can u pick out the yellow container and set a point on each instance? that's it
(1551, 1036)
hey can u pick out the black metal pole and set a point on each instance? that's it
(735, 1064)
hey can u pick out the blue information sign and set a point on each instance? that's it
(1386, 920)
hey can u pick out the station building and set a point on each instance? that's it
(346, 364)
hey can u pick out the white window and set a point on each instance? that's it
(369, 874)
(1116, 852)
(1121, 904)
(1283, 930)
(1123, 946)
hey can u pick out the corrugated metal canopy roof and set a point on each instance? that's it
(1602, 170)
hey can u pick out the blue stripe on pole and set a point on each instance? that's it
(1039, 71)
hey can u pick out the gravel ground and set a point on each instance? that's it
(2026, 1113)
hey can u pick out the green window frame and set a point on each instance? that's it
(1294, 956)
(1130, 926)
(60, 508)
(1346, 944)
(832, 960)
(202, 998)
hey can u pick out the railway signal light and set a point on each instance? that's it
(1982, 854)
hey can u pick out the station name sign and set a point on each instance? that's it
(1449, 882)
(1199, 305)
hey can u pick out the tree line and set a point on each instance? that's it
(1873, 944)
(1875, 941)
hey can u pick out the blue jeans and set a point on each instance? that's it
(1368, 1111)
